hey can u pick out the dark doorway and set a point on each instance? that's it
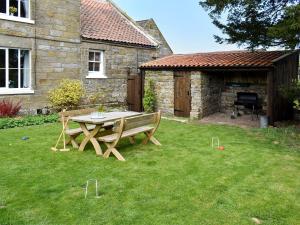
(182, 93)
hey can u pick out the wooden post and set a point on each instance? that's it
(270, 92)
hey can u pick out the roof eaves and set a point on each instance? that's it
(168, 67)
(285, 55)
(122, 43)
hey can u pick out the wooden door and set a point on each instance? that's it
(182, 94)
(134, 93)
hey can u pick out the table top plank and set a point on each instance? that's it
(108, 117)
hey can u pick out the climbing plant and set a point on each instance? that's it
(149, 100)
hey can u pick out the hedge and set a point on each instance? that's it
(27, 121)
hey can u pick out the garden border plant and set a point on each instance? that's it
(67, 95)
(8, 108)
(27, 121)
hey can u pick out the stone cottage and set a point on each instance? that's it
(198, 85)
(45, 41)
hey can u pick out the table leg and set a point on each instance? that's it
(90, 136)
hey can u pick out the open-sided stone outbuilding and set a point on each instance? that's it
(197, 85)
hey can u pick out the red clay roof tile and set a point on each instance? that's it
(102, 20)
(217, 60)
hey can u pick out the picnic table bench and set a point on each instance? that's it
(73, 133)
(129, 128)
(102, 126)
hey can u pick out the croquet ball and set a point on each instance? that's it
(221, 148)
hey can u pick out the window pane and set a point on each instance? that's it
(25, 59)
(25, 77)
(25, 8)
(91, 66)
(13, 4)
(2, 6)
(97, 67)
(97, 56)
(13, 58)
(13, 78)
(2, 78)
(91, 56)
(2, 58)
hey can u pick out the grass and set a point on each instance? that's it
(183, 182)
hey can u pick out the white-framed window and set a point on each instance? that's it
(15, 71)
(96, 64)
(16, 10)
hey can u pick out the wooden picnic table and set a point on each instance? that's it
(90, 135)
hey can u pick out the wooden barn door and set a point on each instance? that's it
(182, 94)
(134, 93)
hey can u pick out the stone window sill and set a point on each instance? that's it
(15, 91)
(16, 19)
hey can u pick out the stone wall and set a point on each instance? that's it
(211, 92)
(206, 92)
(152, 29)
(164, 89)
(58, 20)
(252, 82)
(229, 95)
(120, 61)
(196, 81)
(54, 41)
(53, 20)
(57, 45)
(16, 29)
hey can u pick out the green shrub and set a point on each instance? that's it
(297, 104)
(292, 93)
(67, 95)
(149, 100)
(27, 121)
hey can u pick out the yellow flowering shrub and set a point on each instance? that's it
(67, 95)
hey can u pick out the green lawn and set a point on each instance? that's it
(183, 182)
